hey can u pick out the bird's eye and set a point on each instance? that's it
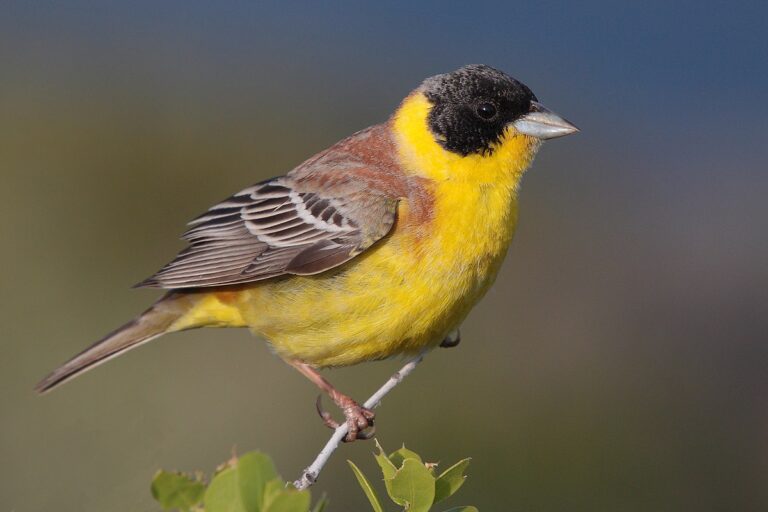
(486, 110)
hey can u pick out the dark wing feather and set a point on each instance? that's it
(286, 225)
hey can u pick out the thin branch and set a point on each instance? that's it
(310, 474)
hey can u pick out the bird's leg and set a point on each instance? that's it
(453, 339)
(358, 417)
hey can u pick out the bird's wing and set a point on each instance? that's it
(302, 223)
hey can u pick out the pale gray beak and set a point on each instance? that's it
(543, 123)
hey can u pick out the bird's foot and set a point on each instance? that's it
(453, 339)
(358, 418)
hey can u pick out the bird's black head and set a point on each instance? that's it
(472, 106)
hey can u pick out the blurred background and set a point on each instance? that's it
(618, 364)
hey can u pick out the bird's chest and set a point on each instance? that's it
(458, 254)
(470, 233)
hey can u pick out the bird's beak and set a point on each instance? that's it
(543, 123)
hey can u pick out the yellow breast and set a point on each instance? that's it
(409, 290)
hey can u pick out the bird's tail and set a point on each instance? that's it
(161, 318)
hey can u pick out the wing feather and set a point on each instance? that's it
(281, 226)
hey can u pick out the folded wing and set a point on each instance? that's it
(286, 225)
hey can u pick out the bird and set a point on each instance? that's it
(378, 246)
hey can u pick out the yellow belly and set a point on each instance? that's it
(404, 294)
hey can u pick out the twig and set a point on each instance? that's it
(310, 474)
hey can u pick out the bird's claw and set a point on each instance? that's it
(359, 421)
(363, 435)
(453, 339)
(358, 418)
(328, 420)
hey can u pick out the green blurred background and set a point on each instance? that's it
(618, 364)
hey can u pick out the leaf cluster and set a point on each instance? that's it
(248, 483)
(411, 483)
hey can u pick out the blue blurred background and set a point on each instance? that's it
(618, 364)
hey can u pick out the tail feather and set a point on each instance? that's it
(154, 322)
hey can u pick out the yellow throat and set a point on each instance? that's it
(422, 155)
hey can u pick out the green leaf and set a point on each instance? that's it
(176, 490)
(413, 486)
(321, 504)
(272, 490)
(367, 488)
(288, 500)
(398, 457)
(450, 480)
(241, 487)
(255, 469)
(463, 509)
(387, 468)
(223, 494)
